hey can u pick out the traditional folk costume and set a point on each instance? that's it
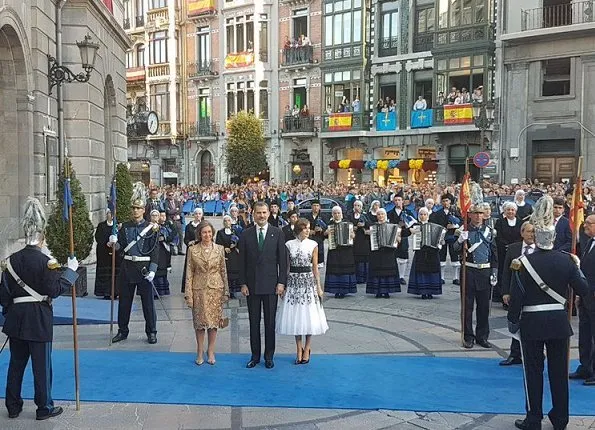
(361, 246)
(424, 277)
(317, 229)
(340, 269)
(383, 274)
(103, 271)
(404, 219)
(167, 236)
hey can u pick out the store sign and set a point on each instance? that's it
(387, 154)
(427, 153)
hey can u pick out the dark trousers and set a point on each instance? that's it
(180, 236)
(41, 364)
(454, 255)
(515, 349)
(145, 290)
(586, 320)
(557, 367)
(268, 304)
(477, 289)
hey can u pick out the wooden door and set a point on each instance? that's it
(553, 169)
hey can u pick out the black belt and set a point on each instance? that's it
(302, 269)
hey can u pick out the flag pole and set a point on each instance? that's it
(74, 319)
(464, 257)
(576, 197)
(113, 289)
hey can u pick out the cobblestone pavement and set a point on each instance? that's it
(361, 324)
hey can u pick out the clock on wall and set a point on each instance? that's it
(152, 123)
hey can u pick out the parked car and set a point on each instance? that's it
(326, 207)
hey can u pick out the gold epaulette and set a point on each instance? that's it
(516, 265)
(576, 260)
(3, 265)
(53, 264)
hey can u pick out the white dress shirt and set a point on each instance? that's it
(264, 231)
(530, 251)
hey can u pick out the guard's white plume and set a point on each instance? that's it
(34, 221)
(139, 191)
(476, 194)
(542, 219)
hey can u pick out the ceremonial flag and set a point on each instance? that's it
(465, 197)
(458, 114)
(198, 7)
(113, 199)
(577, 214)
(67, 203)
(340, 121)
(240, 59)
(386, 121)
(422, 118)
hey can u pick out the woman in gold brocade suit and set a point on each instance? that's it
(206, 289)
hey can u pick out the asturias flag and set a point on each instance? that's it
(422, 118)
(458, 114)
(340, 121)
(465, 197)
(67, 203)
(386, 121)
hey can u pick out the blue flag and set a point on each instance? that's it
(422, 118)
(111, 204)
(67, 200)
(386, 121)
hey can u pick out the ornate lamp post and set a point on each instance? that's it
(57, 73)
(483, 115)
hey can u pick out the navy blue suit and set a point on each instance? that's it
(563, 241)
(586, 314)
(30, 326)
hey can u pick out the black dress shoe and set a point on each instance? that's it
(484, 343)
(578, 375)
(119, 337)
(523, 425)
(15, 414)
(456, 282)
(152, 338)
(252, 363)
(510, 361)
(590, 381)
(402, 281)
(53, 413)
(468, 344)
(269, 364)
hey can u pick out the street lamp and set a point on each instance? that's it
(58, 74)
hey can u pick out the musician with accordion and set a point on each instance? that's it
(383, 273)
(361, 241)
(449, 218)
(404, 219)
(340, 277)
(428, 238)
(317, 229)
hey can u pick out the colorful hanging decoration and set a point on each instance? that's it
(344, 164)
(416, 164)
(413, 164)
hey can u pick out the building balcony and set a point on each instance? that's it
(200, 9)
(450, 39)
(559, 15)
(388, 46)
(165, 130)
(202, 71)
(126, 24)
(298, 56)
(135, 74)
(158, 70)
(423, 42)
(449, 115)
(159, 18)
(204, 129)
(345, 121)
(296, 126)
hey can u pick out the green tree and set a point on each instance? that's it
(57, 231)
(246, 146)
(124, 190)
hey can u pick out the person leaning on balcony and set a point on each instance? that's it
(477, 95)
(305, 112)
(286, 49)
(452, 96)
(420, 104)
(379, 105)
(355, 104)
(465, 97)
(440, 99)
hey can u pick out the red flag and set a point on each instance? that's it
(465, 197)
(577, 212)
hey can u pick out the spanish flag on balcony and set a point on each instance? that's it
(199, 7)
(340, 121)
(458, 114)
(239, 59)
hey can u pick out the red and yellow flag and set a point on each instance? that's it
(240, 59)
(465, 197)
(577, 214)
(458, 114)
(340, 121)
(199, 7)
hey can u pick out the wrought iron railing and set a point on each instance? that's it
(297, 55)
(389, 46)
(201, 69)
(423, 42)
(558, 15)
(347, 121)
(298, 124)
(203, 128)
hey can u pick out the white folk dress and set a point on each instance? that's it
(301, 312)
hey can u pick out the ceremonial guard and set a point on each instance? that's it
(289, 229)
(449, 218)
(482, 268)
(317, 229)
(361, 242)
(404, 219)
(138, 241)
(340, 266)
(538, 310)
(30, 280)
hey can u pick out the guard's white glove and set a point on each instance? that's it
(112, 239)
(463, 236)
(150, 276)
(72, 264)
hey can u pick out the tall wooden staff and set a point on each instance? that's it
(113, 248)
(68, 201)
(464, 202)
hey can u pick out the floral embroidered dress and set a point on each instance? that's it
(301, 312)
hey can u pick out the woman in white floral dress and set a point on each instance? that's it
(301, 312)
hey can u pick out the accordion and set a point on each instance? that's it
(430, 234)
(340, 234)
(384, 236)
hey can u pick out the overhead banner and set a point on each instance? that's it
(238, 60)
(458, 114)
(199, 7)
(340, 121)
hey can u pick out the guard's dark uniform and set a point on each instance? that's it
(144, 254)
(29, 325)
(482, 258)
(545, 326)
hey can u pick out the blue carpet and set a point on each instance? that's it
(329, 381)
(89, 311)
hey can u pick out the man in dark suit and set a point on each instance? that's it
(515, 250)
(292, 218)
(263, 275)
(563, 240)
(586, 311)
(275, 218)
(539, 312)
